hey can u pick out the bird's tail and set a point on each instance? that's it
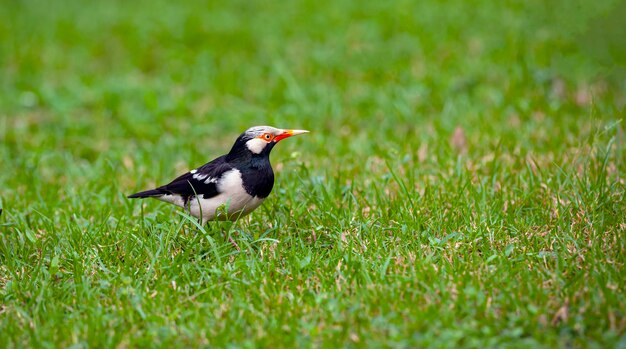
(146, 194)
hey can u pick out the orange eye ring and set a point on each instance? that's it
(267, 137)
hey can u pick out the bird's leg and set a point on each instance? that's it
(230, 239)
(187, 209)
(234, 243)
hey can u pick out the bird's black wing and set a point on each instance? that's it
(201, 181)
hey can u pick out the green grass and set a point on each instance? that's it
(462, 186)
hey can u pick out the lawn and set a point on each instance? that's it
(462, 184)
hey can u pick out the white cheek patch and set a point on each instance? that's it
(256, 145)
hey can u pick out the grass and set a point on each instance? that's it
(463, 184)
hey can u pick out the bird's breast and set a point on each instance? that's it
(258, 181)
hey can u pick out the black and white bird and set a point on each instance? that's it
(232, 185)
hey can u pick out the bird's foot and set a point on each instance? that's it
(234, 243)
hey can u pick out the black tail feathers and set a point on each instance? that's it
(146, 194)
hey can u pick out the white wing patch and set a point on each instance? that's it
(210, 180)
(200, 176)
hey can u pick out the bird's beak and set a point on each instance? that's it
(289, 133)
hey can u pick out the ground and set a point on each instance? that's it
(462, 184)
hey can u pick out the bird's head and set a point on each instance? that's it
(259, 140)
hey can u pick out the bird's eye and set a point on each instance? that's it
(268, 137)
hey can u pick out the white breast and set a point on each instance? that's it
(232, 199)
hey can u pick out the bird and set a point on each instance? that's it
(230, 186)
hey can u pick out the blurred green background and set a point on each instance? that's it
(445, 122)
(141, 71)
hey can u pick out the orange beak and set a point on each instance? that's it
(289, 133)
